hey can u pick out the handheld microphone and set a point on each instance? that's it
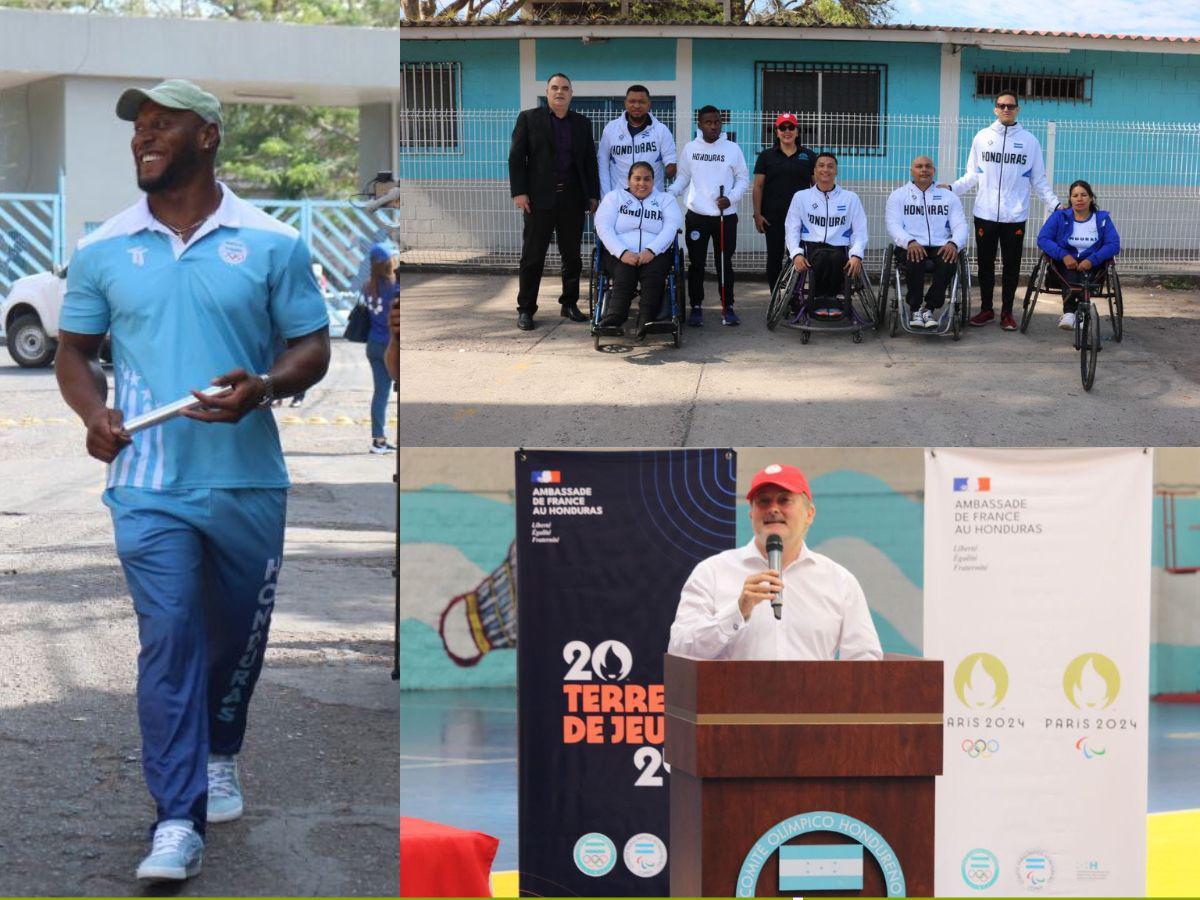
(775, 561)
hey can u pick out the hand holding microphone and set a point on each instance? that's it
(758, 587)
(775, 563)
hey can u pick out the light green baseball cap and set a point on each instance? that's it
(173, 94)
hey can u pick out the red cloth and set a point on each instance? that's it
(440, 861)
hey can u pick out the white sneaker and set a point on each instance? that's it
(176, 854)
(385, 447)
(916, 321)
(224, 789)
(1067, 322)
(927, 319)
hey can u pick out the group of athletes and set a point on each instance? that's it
(821, 226)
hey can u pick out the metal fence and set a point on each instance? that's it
(456, 208)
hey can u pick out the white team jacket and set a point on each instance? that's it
(704, 168)
(1005, 163)
(836, 218)
(618, 151)
(624, 222)
(930, 217)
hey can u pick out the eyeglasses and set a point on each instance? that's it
(785, 127)
(1006, 106)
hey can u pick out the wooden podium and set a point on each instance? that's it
(753, 744)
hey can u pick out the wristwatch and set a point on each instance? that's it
(268, 384)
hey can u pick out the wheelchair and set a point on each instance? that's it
(792, 304)
(893, 310)
(674, 300)
(1104, 285)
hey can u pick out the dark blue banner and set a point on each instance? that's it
(605, 542)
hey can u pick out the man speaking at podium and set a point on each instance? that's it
(814, 609)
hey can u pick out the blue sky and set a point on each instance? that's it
(1180, 18)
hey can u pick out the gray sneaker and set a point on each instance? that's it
(224, 789)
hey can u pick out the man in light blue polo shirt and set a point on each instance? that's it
(194, 285)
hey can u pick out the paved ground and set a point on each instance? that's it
(469, 377)
(321, 761)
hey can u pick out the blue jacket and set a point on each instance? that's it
(1053, 238)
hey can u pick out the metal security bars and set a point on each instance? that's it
(429, 87)
(1035, 85)
(840, 104)
(457, 210)
(31, 236)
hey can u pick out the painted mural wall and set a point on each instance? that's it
(459, 597)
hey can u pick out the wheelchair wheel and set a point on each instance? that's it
(1031, 294)
(780, 296)
(1116, 305)
(964, 280)
(885, 289)
(1089, 345)
(868, 308)
(805, 337)
(593, 285)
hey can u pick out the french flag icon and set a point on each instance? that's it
(972, 484)
(549, 476)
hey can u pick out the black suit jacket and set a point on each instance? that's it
(531, 157)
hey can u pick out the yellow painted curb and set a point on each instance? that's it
(1173, 846)
(504, 884)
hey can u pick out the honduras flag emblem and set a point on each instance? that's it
(816, 867)
(981, 485)
(841, 208)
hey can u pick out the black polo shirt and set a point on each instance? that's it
(785, 176)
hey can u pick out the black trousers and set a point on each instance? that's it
(1010, 236)
(565, 222)
(707, 228)
(1059, 277)
(652, 278)
(776, 245)
(914, 278)
(828, 276)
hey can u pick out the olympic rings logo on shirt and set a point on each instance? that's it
(978, 748)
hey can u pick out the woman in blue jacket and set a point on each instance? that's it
(1079, 240)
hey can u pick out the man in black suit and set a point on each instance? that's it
(554, 178)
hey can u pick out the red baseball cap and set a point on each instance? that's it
(787, 477)
(786, 117)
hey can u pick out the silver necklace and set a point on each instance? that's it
(180, 232)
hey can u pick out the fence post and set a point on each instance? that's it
(1051, 135)
(60, 221)
(306, 221)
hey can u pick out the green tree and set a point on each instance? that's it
(700, 12)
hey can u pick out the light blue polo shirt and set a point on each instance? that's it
(182, 314)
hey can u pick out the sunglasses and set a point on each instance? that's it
(785, 127)
(1006, 106)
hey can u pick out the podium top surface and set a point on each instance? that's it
(907, 689)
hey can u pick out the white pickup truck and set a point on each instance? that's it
(29, 316)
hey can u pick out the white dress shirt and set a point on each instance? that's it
(824, 612)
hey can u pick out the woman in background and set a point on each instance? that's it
(379, 294)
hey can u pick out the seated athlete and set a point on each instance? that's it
(826, 231)
(927, 222)
(1079, 240)
(637, 226)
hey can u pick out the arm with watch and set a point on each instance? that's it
(298, 368)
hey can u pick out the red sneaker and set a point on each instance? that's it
(982, 317)
(1007, 322)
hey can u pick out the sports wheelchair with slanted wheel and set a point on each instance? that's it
(674, 300)
(951, 317)
(793, 304)
(1100, 284)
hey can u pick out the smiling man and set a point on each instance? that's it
(722, 614)
(194, 285)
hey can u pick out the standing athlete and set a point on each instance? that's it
(1005, 163)
(635, 136)
(194, 285)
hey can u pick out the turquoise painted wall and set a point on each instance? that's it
(490, 69)
(628, 59)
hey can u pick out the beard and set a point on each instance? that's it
(179, 171)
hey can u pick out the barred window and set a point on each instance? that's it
(429, 106)
(1076, 88)
(840, 106)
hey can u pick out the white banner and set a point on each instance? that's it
(1037, 596)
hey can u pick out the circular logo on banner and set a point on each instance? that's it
(980, 869)
(822, 820)
(595, 854)
(233, 252)
(1091, 681)
(612, 660)
(645, 855)
(1034, 870)
(981, 680)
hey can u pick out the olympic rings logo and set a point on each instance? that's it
(979, 748)
(595, 860)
